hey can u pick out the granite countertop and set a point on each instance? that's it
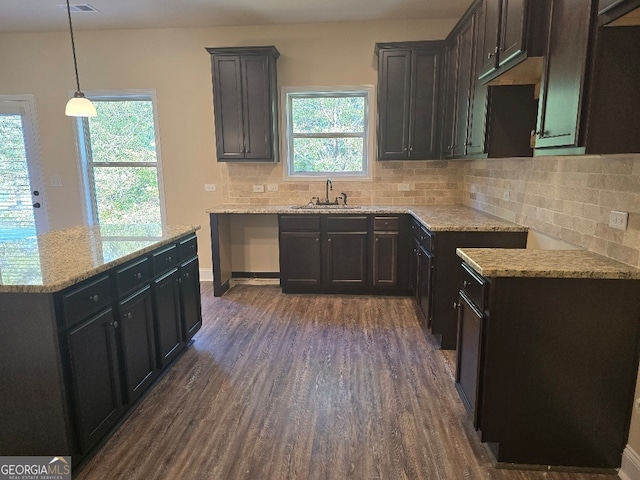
(503, 262)
(53, 261)
(436, 218)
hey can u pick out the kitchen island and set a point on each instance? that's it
(547, 354)
(91, 317)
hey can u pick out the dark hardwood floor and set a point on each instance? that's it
(304, 387)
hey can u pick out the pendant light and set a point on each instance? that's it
(78, 106)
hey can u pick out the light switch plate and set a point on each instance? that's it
(618, 219)
(272, 187)
(258, 189)
(209, 187)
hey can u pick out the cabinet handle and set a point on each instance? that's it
(94, 298)
(168, 259)
(377, 239)
(114, 324)
(456, 305)
(466, 284)
(404, 149)
(186, 275)
(490, 55)
(127, 315)
(329, 240)
(138, 275)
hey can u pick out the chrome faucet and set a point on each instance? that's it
(329, 185)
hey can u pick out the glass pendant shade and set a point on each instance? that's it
(79, 106)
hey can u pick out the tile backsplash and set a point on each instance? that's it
(568, 197)
(565, 197)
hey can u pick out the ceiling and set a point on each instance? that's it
(46, 15)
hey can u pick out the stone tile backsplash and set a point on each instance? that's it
(565, 197)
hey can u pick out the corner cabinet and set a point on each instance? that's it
(408, 100)
(245, 103)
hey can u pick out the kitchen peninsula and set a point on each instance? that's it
(91, 317)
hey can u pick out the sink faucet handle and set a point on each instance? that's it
(344, 198)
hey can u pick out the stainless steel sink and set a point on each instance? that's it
(313, 206)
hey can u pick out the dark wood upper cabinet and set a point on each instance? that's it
(408, 100)
(477, 129)
(450, 100)
(464, 85)
(564, 73)
(245, 103)
(513, 31)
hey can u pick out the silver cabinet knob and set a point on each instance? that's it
(94, 298)
(128, 316)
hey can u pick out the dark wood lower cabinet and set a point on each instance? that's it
(324, 253)
(346, 257)
(96, 380)
(138, 343)
(548, 366)
(190, 305)
(166, 302)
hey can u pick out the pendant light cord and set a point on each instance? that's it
(73, 47)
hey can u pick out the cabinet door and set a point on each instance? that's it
(168, 325)
(385, 259)
(463, 89)
(190, 301)
(478, 110)
(394, 92)
(256, 107)
(512, 30)
(413, 267)
(424, 118)
(490, 43)
(227, 97)
(425, 278)
(300, 259)
(138, 349)
(95, 377)
(562, 87)
(468, 356)
(346, 259)
(450, 101)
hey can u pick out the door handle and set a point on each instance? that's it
(36, 205)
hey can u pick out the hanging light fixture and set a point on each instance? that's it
(79, 105)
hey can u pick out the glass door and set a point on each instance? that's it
(23, 207)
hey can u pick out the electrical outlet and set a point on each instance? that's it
(272, 187)
(506, 196)
(637, 403)
(209, 187)
(618, 220)
(55, 181)
(258, 189)
(404, 187)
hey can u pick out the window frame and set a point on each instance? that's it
(85, 165)
(288, 93)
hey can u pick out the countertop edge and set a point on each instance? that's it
(493, 223)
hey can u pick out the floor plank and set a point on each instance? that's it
(305, 387)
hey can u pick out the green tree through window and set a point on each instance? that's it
(121, 162)
(327, 133)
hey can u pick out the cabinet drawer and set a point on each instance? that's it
(415, 228)
(188, 248)
(165, 259)
(386, 223)
(474, 286)
(426, 239)
(132, 276)
(86, 300)
(346, 224)
(300, 223)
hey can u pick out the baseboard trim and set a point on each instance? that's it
(255, 275)
(206, 275)
(630, 469)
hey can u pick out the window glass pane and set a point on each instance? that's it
(123, 131)
(316, 155)
(127, 194)
(327, 114)
(16, 211)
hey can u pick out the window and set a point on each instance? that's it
(120, 161)
(327, 131)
